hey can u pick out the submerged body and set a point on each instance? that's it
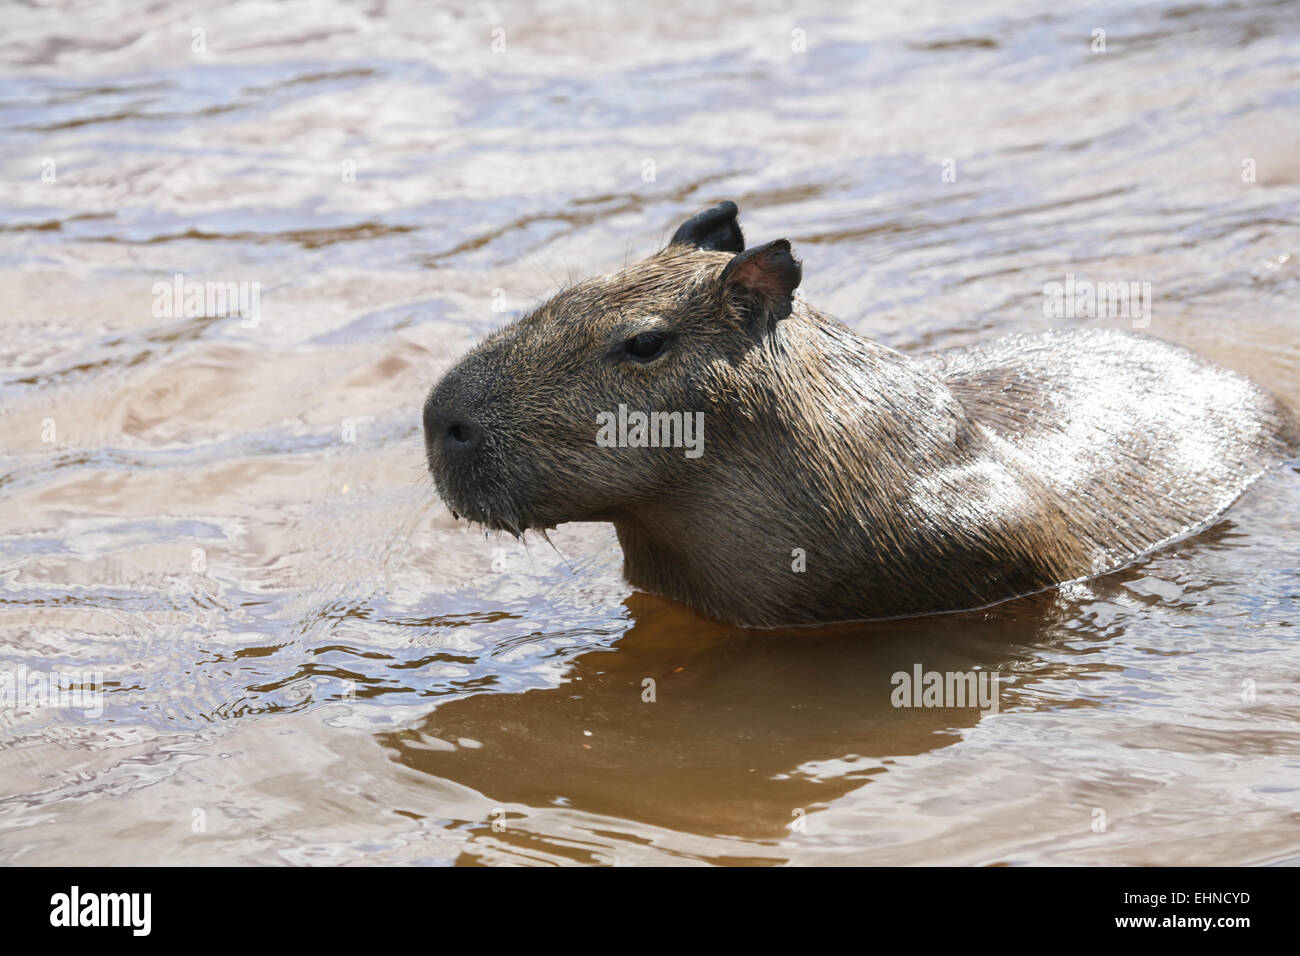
(839, 479)
(975, 475)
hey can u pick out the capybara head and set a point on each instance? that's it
(512, 432)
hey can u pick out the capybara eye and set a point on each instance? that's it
(647, 346)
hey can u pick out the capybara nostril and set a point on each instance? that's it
(461, 437)
(448, 426)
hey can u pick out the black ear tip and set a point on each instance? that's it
(717, 212)
(778, 250)
(714, 228)
(770, 268)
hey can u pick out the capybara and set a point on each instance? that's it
(765, 465)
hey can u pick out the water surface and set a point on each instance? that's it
(306, 660)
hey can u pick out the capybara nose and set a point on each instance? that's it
(447, 427)
(459, 437)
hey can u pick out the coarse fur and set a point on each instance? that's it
(901, 484)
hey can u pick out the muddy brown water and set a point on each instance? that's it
(302, 658)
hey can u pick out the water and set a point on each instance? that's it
(306, 660)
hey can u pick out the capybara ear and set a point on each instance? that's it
(714, 228)
(764, 279)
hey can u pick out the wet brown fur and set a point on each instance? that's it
(912, 484)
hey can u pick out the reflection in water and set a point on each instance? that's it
(231, 524)
(737, 723)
